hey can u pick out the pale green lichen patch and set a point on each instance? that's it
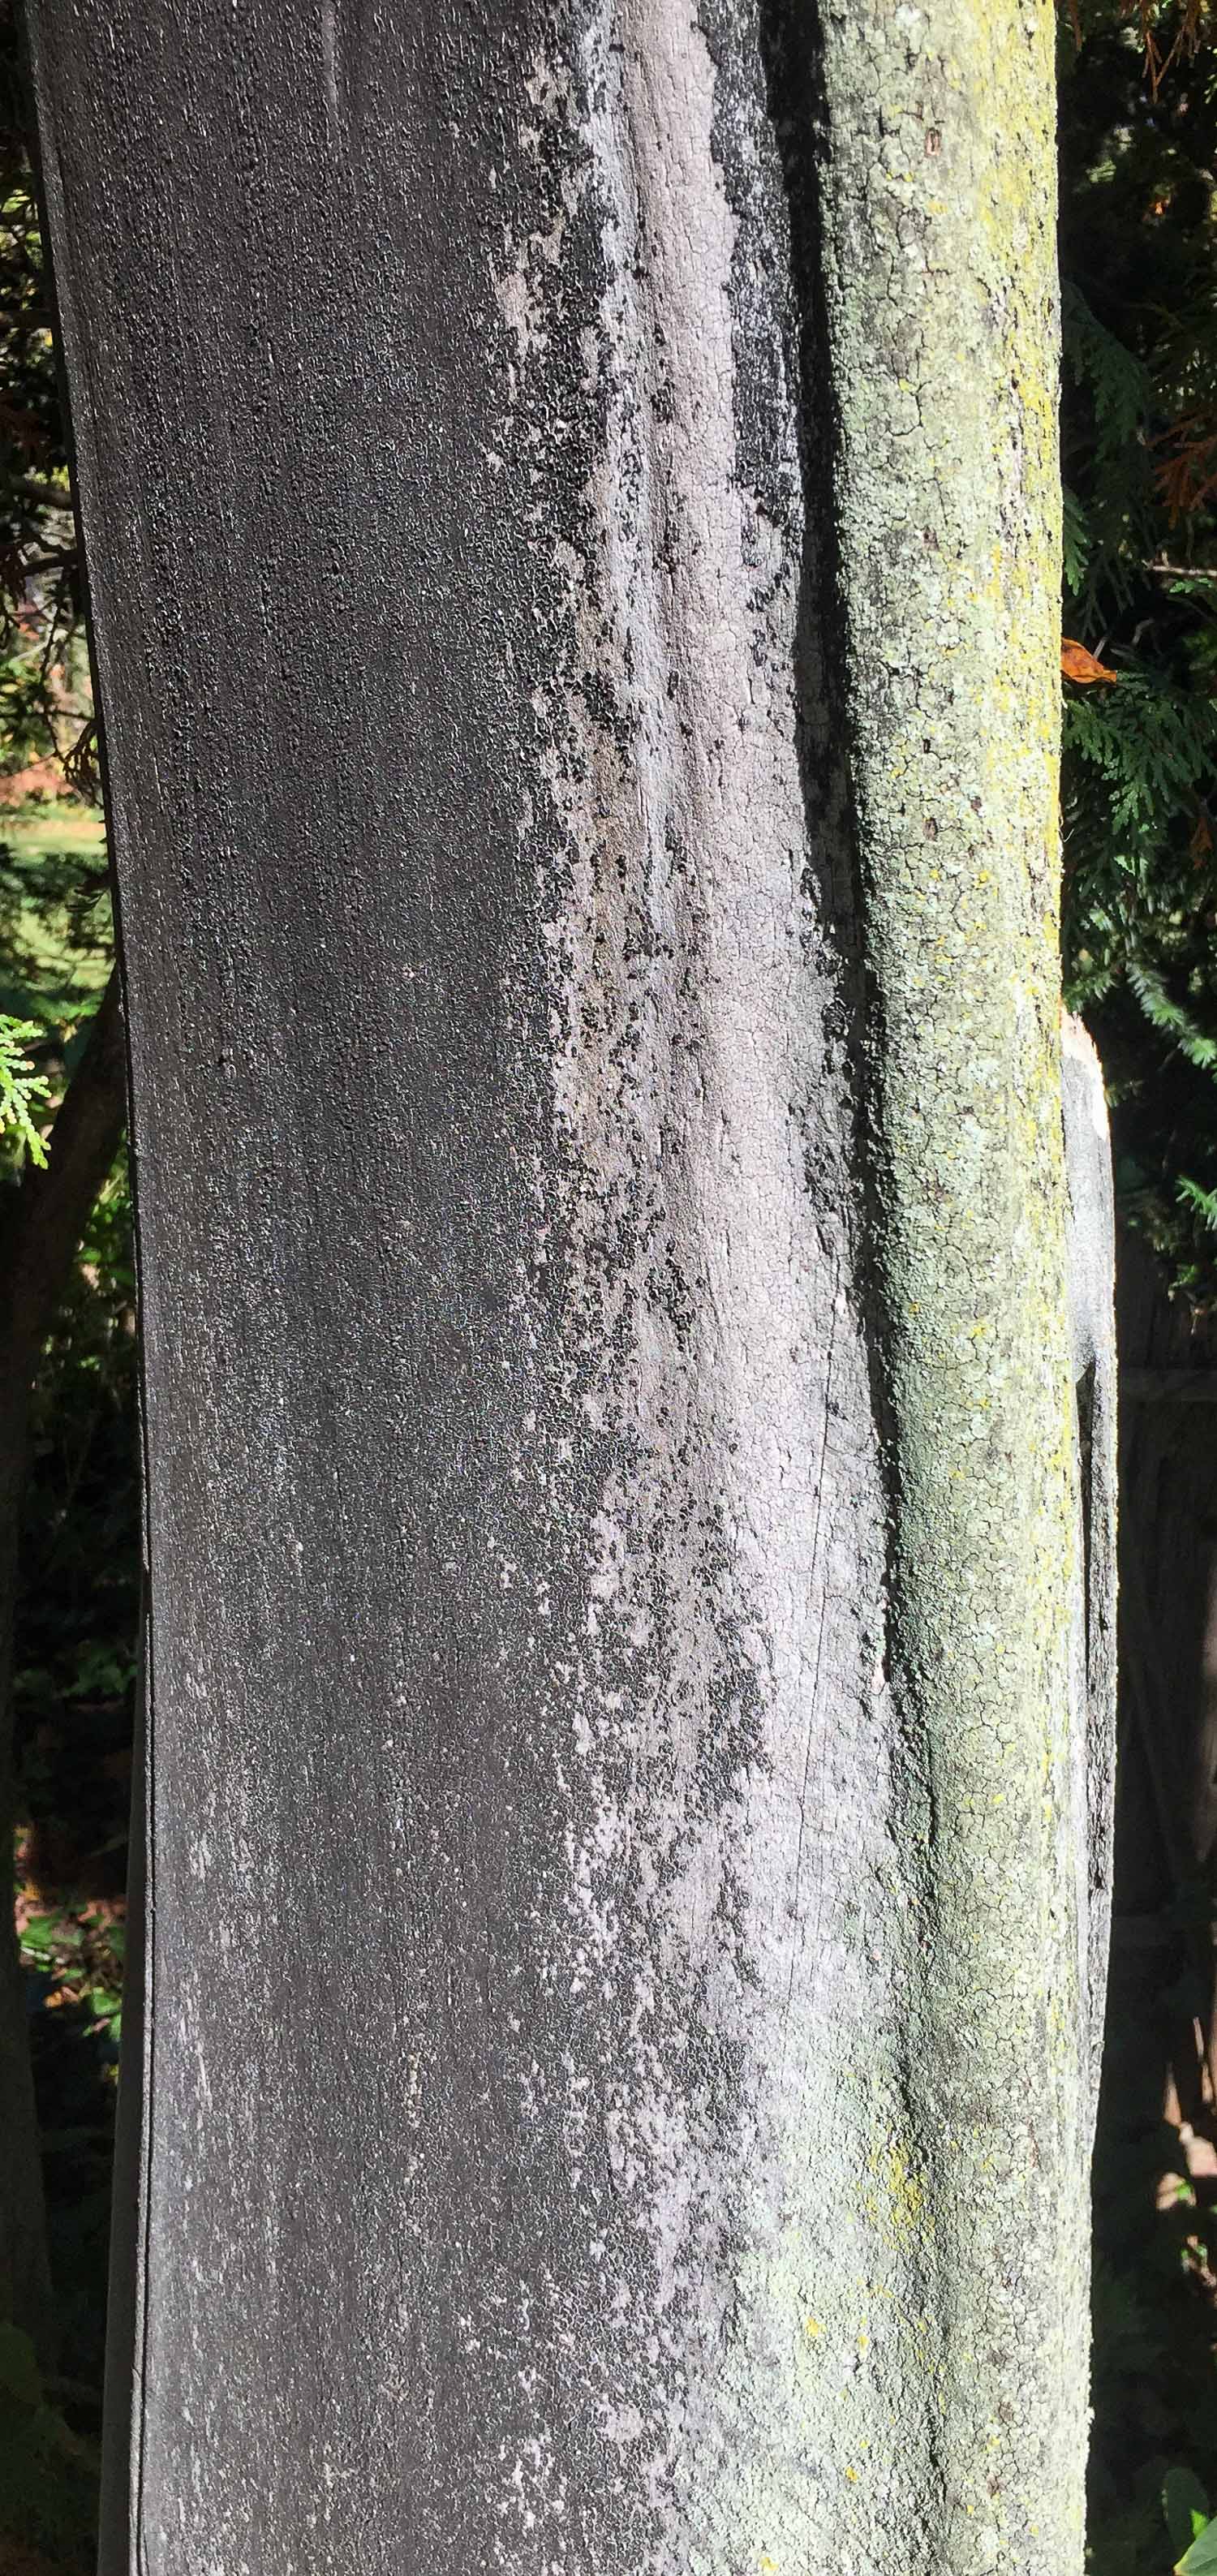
(941, 294)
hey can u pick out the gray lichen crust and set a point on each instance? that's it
(579, 692)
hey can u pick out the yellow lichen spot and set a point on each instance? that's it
(852, 2475)
(905, 2192)
(813, 2328)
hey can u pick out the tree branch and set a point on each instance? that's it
(1181, 572)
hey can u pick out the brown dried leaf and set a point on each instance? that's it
(1078, 664)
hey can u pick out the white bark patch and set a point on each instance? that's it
(714, 1339)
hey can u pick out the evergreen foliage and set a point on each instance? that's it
(78, 1574)
(46, 729)
(1139, 438)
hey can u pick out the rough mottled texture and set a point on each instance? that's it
(616, 1864)
(940, 303)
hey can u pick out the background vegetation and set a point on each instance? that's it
(74, 1460)
(1138, 102)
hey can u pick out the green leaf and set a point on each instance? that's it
(1185, 2505)
(1190, 1194)
(1201, 2558)
(23, 1091)
(1078, 543)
